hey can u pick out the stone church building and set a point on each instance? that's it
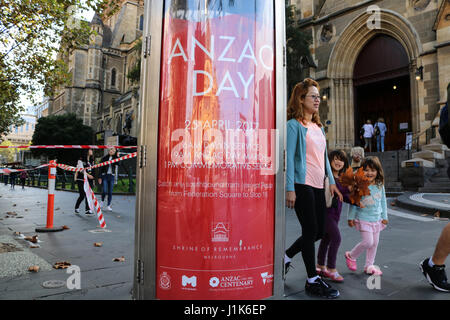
(379, 58)
(101, 93)
(372, 59)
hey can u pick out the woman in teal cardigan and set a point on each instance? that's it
(307, 163)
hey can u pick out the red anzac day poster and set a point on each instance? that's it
(215, 209)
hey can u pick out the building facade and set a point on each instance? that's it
(379, 58)
(102, 93)
(42, 108)
(21, 135)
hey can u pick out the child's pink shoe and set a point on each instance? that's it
(373, 270)
(351, 263)
(333, 276)
(318, 271)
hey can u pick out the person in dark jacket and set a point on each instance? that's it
(444, 121)
(433, 268)
(85, 161)
(106, 177)
(12, 178)
(444, 125)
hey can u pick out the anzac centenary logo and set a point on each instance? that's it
(227, 282)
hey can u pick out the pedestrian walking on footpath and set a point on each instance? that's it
(444, 124)
(106, 177)
(23, 178)
(12, 178)
(307, 163)
(444, 121)
(433, 268)
(380, 132)
(369, 220)
(85, 161)
(331, 241)
(5, 178)
(367, 135)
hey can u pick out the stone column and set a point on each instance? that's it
(351, 117)
(341, 115)
(346, 112)
(415, 115)
(335, 113)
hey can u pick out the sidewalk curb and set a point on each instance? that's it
(404, 201)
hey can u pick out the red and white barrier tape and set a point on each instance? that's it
(8, 170)
(92, 200)
(90, 196)
(69, 147)
(73, 169)
(128, 156)
(93, 203)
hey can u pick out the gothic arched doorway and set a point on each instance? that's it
(342, 127)
(381, 80)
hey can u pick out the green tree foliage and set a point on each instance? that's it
(297, 47)
(34, 36)
(9, 114)
(64, 129)
(7, 154)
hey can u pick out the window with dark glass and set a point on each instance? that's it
(113, 77)
(141, 22)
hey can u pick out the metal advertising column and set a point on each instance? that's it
(216, 185)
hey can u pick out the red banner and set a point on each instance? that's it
(216, 188)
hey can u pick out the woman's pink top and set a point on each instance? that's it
(315, 152)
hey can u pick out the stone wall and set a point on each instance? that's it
(79, 71)
(391, 162)
(125, 28)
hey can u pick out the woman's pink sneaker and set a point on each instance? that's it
(373, 270)
(351, 263)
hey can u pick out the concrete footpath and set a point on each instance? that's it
(101, 277)
(409, 238)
